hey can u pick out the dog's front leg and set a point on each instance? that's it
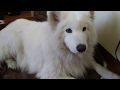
(59, 77)
(105, 73)
(47, 76)
(65, 77)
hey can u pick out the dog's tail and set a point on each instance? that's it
(3, 50)
(10, 39)
(4, 44)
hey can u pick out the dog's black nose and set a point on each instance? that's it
(81, 48)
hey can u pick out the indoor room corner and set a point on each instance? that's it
(105, 51)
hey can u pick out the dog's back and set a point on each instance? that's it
(21, 39)
(10, 38)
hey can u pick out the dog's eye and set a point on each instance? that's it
(69, 30)
(84, 29)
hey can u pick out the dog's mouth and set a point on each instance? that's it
(80, 53)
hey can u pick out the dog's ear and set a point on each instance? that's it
(53, 18)
(89, 14)
(92, 14)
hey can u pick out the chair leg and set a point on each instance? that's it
(1, 21)
(32, 13)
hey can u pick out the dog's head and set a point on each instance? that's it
(74, 29)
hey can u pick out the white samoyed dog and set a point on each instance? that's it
(60, 48)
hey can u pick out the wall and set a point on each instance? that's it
(107, 24)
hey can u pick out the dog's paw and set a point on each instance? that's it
(104, 64)
(66, 77)
(11, 64)
(101, 78)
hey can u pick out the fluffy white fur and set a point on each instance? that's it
(45, 48)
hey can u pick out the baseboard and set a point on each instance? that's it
(101, 54)
(104, 52)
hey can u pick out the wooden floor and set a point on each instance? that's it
(24, 14)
